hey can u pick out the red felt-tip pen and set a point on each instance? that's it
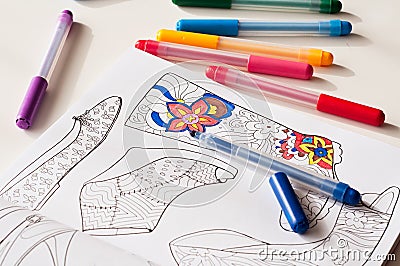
(251, 63)
(322, 102)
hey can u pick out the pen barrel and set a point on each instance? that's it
(322, 6)
(30, 104)
(263, 28)
(252, 84)
(234, 27)
(254, 64)
(311, 56)
(62, 29)
(285, 28)
(314, 181)
(350, 110)
(315, 57)
(185, 52)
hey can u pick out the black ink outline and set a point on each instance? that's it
(81, 121)
(262, 246)
(164, 203)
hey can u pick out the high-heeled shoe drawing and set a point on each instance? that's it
(123, 201)
(173, 106)
(18, 240)
(36, 183)
(358, 230)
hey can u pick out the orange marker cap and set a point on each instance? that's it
(316, 57)
(188, 38)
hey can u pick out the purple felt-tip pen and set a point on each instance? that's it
(37, 88)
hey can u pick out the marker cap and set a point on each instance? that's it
(330, 6)
(223, 27)
(335, 27)
(345, 28)
(290, 205)
(31, 102)
(204, 3)
(66, 16)
(278, 67)
(351, 110)
(188, 38)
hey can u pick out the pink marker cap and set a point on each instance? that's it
(278, 67)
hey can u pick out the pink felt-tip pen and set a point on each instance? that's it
(39, 83)
(320, 101)
(252, 63)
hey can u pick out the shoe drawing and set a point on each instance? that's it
(18, 240)
(357, 229)
(123, 201)
(37, 182)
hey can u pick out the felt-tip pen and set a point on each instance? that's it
(243, 28)
(39, 83)
(251, 63)
(312, 56)
(322, 6)
(322, 102)
(316, 182)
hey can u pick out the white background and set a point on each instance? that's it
(366, 67)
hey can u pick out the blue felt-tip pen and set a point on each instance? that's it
(289, 202)
(235, 27)
(316, 182)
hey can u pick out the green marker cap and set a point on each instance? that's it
(204, 3)
(330, 6)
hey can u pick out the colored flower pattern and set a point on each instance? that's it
(319, 150)
(179, 112)
(194, 117)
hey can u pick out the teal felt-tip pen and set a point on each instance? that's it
(249, 28)
(321, 6)
(314, 181)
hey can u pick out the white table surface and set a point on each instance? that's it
(366, 67)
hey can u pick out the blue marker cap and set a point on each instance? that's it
(222, 27)
(290, 205)
(335, 27)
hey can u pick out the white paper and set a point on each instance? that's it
(29, 238)
(120, 172)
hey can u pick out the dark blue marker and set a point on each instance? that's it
(290, 205)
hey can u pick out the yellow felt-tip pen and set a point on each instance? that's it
(315, 57)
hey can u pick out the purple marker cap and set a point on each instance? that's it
(66, 16)
(31, 102)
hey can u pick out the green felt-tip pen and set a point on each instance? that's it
(321, 6)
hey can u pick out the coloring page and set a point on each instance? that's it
(122, 167)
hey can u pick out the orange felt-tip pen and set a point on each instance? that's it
(315, 57)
